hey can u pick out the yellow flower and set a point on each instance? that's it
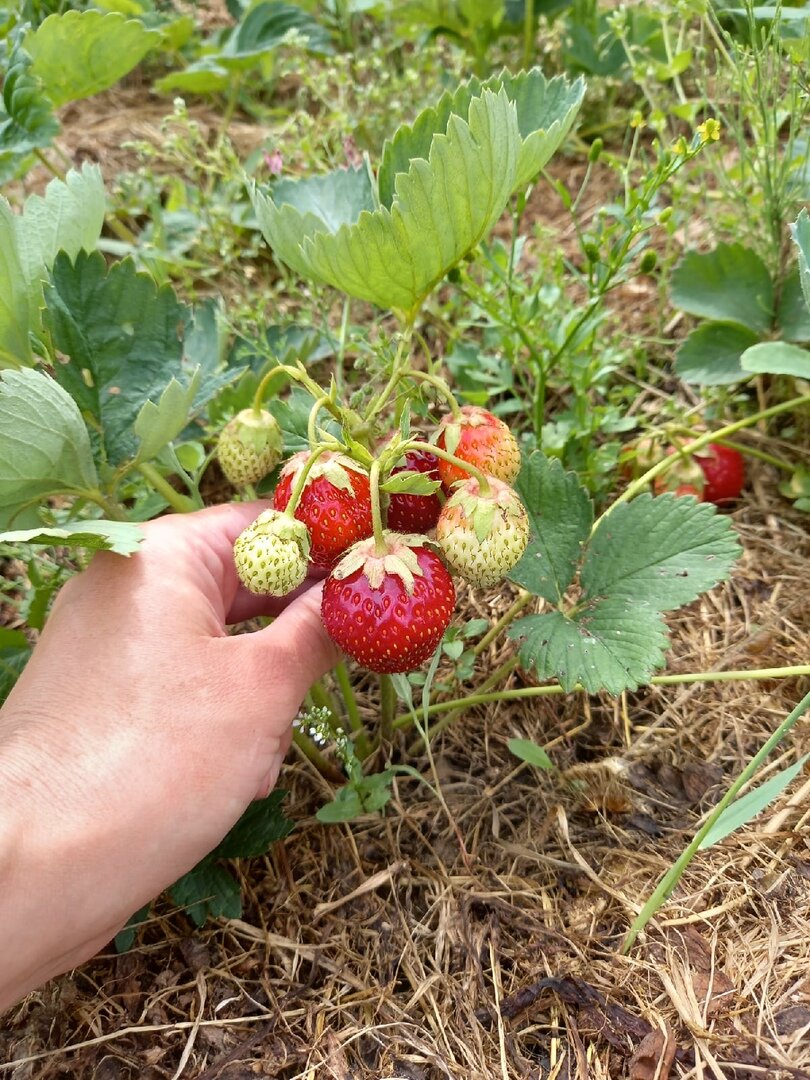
(709, 130)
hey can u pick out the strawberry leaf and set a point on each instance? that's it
(262, 824)
(659, 553)
(607, 645)
(729, 284)
(560, 515)
(122, 537)
(208, 891)
(800, 231)
(710, 355)
(81, 53)
(44, 445)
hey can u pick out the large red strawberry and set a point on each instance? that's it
(480, 438)
(415, 513)
(335, 505)
(388, 609)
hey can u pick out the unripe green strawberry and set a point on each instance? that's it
(250, 446)
(483, 536)
(272, 554)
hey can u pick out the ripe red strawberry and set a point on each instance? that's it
(483, 536)
(415, 513)
(335, 505)
(388, 610)
(724, 471)
(483, 440)
(715, 475)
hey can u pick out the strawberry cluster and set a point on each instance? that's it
(389, 594)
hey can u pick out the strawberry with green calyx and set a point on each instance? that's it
(410, 513)
(272, 554)
(331, 496)
(388, 602)
(483, 533)
(715, 474)
(481, 439)
(250, 446)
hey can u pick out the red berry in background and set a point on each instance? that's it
(724, 472)
(415, 513)
(482, 439)
(335, 505)
(388, 610)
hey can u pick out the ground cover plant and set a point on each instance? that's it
(518, 380)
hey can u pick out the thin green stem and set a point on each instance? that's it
(673, 875)
(299, 375)
(183, 504)
(110, 508)
(361, 743)
(439, 383)
(325, 700)
(376, 511)
(301, 480)
(523, 601)
(388, 700)
(761, 455)
(381, 399)
(321, 403)
(697, 444)
(528, 32)
(554, 689)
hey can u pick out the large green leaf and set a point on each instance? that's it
(44, 445)
(15, 312)
(729, 284)
(777, 358)
(267, 25)
(546, 110)
(122, 537)
(561, 515)
(644, 558)
(606, 645)
(262, 824)
(208, 891)
(122, 335)
(793, 314)
(443, 207)
(659, 553)
(710, 355)
(800, 231)
(81, 53)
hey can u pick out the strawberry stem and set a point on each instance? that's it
(324, 401)
(300, 376)
(380, 545)
(379, 402)
(473, 470)
(388, 700)
(361, 743)
(301, 479)
(439, 383)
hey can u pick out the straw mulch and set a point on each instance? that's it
(474, 934)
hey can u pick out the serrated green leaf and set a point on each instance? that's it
(81, 53)
(15, 312)
(122, 334)
(443, 207)
(122, 537)
(531, 753)
(44, 445)
(777, 358)
(546, 111)
(659, 553)
(742, 810)
(729, 284)
(800, 231)
(26, 117)
(609, 644)
(292, 414)
(208, 891)
(295, 209)
(158, 423)
(560, 516)
(710, 355)
(262, 824)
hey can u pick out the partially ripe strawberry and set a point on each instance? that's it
(483, 440)
(483, 536)
(335, 505)
(250, 446)
(415, 513)
(272, 554)
(388, 610)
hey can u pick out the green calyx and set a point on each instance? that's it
(398, 557)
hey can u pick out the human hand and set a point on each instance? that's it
(138, 734)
